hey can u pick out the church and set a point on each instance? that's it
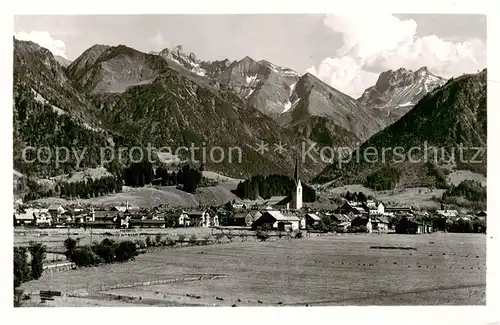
(293, 201)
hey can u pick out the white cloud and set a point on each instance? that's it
(43, 38)
(383, 42)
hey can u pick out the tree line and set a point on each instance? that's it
(468, 189)
(356, 197)
(84, 189)
(143, 173)
(383, 179)
(272, 185)
(107, 251)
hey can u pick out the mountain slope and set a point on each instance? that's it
(453, 115)
(62, 61)
(396, 92)
(327, 116)
(161, 105)
(50, 112)
(179, 107)
(174, 111)
(265, 86)
(103, 69)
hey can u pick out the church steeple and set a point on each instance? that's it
(297, 194)
(296, 173)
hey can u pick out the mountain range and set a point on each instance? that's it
(116, 96)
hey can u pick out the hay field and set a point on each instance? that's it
(445, 269)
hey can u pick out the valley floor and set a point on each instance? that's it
(445, 269)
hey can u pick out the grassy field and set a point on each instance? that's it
(54, 238)
(445, 269)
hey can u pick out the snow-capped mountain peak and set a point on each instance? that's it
(267, 87)
(396, 92)
(400, 87)
(188, 61)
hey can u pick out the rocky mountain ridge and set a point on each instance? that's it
(453, 116)
(173, 98)
(396, 92)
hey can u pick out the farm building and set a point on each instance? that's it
(55, 210)
(481, 214)
(65, 217)
(43, 219)
(447, 213)
(101, 215)
(23, 219)
(343, 225)
(147, 223)
(100, 224)
(380, 223)
(360, 221)
(276, 220)
(411, 226)
(352, 208)
(373, 208)
(312, 220)
(399, 211)
(251, 216)
(238, 219)
(183, 220)
(339, 218)
(207, 218)
(39, 217)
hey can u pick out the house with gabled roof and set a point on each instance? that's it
(312, 220)
(272, 219)
(55, 210)
(448, 214)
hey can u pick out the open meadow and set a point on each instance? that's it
(440, 269)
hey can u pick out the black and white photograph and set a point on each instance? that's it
(249, 160)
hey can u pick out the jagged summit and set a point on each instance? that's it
(267, 87)
(188, 61)
(453, 115)
(397, 91)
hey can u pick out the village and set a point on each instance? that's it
(282, 213)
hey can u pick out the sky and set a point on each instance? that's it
(346, 52)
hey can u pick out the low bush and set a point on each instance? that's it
(83, 256)
(206, 239)
(106, 250)
(192, 239)
(70, 245)
(262, 235)
(140, 243)
(170, 242)
(219, 236)
(149, 242)
(125, 251)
